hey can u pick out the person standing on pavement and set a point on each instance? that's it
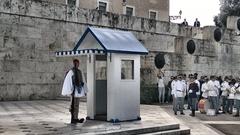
(204, 88)
(179, 94)
(161, 87)
(213, 94)
(198, 92)
(224, 88)
(74, 86)
(237, 97)
(169, 89)
(192, 92)
(230, 99)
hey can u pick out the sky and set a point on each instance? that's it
(204, 10)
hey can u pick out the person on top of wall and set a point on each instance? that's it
(196, 23)
(185, 23)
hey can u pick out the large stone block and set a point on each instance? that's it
(71, 14)
(18, 7)
(3, 77)
(3, 94)
(27, 92)
(11, 65)
(60, 12)
(47, 10)
(5, 6)
(33, 8)
(12, 92)
(1, 41)
(232, 23)
(82, 15)
(24, 54)
(42, 66)
(27, 66)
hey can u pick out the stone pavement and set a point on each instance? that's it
(52, 117)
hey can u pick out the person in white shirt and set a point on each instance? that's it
(218, 86)
(161, 87)
(205, 88)
(179, 94)
(237, 97)
(213, 94)
(231, 93)
(172, 90)
(198, 93)
(225, 88)
(74, 85)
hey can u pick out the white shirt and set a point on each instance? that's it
(179, 89)
(67, 88)
(213, 90)
(237, 94)
(198, 84)
(231, 93)
(225, 88)
(217, 85)
(160, 83)
(172, 87)
(204, 90)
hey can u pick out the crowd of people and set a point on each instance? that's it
(221, 95)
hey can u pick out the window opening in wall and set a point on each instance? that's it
(129, 10)
(102, 6)
(127, 70)
(71, 2)
(153, 14)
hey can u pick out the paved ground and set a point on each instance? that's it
(52, 117)
(210, 124)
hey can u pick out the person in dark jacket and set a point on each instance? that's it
(196, 23)
(192, 94)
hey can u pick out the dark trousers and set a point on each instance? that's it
(237, 106)
(213, 103)
(75, 107)
(224, 103)
(178, 104)
(193, 103)
(230, 103)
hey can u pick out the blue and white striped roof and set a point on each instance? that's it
(98, 40)
(79, 52)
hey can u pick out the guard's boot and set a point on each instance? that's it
(193, 113)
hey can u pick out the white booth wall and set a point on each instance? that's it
(123, 100)
(123, 96)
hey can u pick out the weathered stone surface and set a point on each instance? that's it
(31, 31)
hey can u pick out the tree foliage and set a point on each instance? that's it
(228, 8)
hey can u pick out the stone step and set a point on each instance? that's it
(143, 130)
(182, 131)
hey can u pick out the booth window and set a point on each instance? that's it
(127, 70)
(102, 6)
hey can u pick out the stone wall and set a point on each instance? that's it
(31, 31)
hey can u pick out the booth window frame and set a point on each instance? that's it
(127, 72)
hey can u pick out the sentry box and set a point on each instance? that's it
(113, 73)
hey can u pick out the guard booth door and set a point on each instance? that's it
(101, 87)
